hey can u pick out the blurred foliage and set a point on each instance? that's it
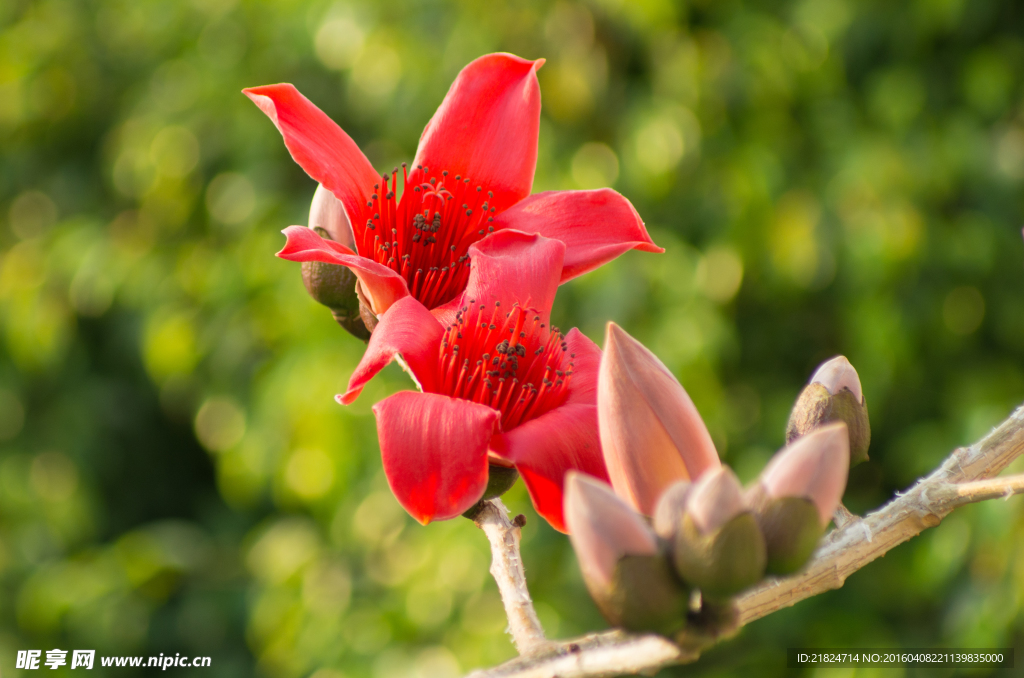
(828, 176)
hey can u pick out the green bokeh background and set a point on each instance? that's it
(827, 176)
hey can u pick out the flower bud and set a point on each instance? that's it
(668, 513)
(651, 433)
(328, 213)
(833, 394)
(791, 529)
(333, 285)
(797, 494)
(814, 467)
(718, 547)
(715, 499)
(626, 572)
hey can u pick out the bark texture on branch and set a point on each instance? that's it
(610, 653)
(507, 570)
(965, 476)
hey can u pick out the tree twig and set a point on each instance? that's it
(966, 476)
(507, 570)
(841, 517)
(597, 655)
(991, 488)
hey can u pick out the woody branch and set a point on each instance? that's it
(507, 570)
(966, 476)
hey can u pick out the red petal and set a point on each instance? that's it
(565, 438)
(513, 267)
(382, 285)
(435, 452)
(596, 226)
(546, 448)
(487, 128)
(445, 313)
(318, 144)
(407, 329)
(582, 387)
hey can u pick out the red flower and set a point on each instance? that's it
(498, 385)
(471, 176)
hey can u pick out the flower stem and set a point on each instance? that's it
(507, 570)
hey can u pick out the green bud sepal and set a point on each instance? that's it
(791, 527)
(500, 480)
(334, 286)
(817, 406)
(645, 595)
(724, 562)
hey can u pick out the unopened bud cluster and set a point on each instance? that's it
(675, 537)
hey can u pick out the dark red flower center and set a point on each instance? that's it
(508, 360)
(425, 236)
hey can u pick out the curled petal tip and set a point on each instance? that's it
(837, 374)
(487, 127)
(317, 144)
(251, 92)
(646, 242)
(596, 226)
(814, 466)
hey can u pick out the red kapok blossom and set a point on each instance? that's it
(498, 383)
(471, 176)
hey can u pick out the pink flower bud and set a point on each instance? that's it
(651, 433)
(715, 499)
(837, 374)
(833, 394)
(328, 213)
(814, 466)
(717, 545)
(669, 511)
(628, 575)
(602, 529)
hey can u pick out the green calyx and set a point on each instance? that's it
(816, 407)
(500, 480)
(723, 563)
(334, 286)
(791, 528)
(645, 595)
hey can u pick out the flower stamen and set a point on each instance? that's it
(425, 235)
(509, 361)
